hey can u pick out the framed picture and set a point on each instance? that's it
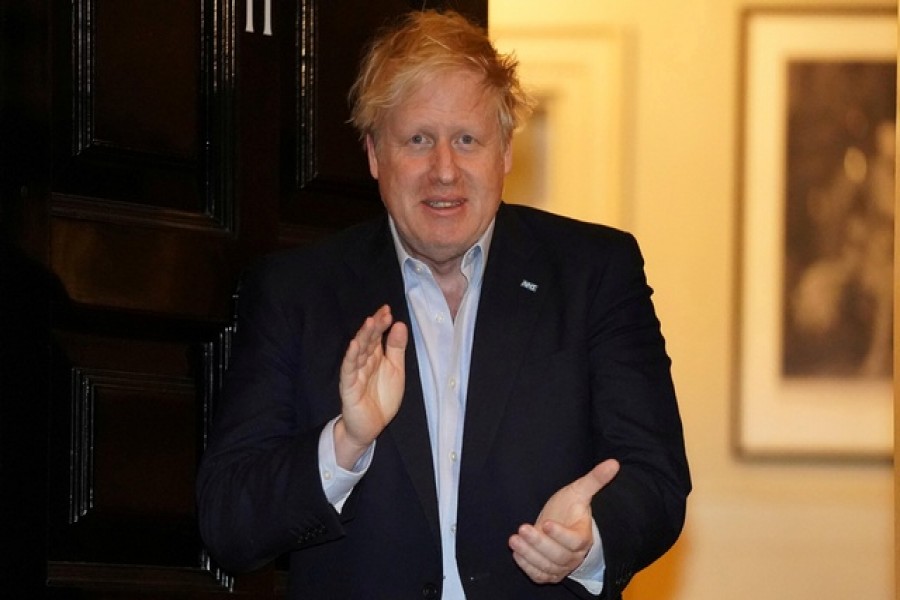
(815, 234)
(577, 75)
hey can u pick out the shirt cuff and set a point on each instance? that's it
(592, 569)
(338, 482)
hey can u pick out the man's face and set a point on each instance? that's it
(440, 160)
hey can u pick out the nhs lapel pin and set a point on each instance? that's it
(531, 287)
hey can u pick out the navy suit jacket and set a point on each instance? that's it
(568, 368)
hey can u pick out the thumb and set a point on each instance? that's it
(395, 345)
(596, 479)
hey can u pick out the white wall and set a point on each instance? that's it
(770, 530)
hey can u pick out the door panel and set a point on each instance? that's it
(142, 218)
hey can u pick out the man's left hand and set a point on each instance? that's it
(556, 544)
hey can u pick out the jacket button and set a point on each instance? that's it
(429, 590)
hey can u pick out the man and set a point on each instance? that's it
(501, 425)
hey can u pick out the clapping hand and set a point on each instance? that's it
(557, 543)
(372, 380)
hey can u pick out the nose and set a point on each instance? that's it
(444, 167)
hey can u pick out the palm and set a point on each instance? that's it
(372, 394)
(373, 377)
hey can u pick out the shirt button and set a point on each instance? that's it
(453, 456)
(326, 475)
(453, 383)
(453, 529)
(439, 318)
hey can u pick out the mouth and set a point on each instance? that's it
(444, 203)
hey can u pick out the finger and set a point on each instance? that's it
(369, 335)
(571, 539)
(527, 557)
(540, 550)
(348, 366)
(383, 318)
(596, 479)
(535, 574)
(362, 345)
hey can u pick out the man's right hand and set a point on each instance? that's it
(371, 385)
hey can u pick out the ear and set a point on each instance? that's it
(371, 155)
(507, 157)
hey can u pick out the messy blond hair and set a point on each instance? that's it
(403, 57)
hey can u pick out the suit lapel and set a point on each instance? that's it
(511, 301)
(374, 262)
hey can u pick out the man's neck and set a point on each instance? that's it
(453, 284)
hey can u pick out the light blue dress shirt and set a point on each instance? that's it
(444, 372)
(444, 350)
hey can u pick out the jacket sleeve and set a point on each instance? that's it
(259, 491)
(636, 420)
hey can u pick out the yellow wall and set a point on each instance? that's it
(755, 529)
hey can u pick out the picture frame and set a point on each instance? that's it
(578, 76)
(815, 233)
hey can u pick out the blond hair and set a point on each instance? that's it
(424, 43)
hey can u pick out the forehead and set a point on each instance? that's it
(457, 95)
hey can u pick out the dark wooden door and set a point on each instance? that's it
(149, 150)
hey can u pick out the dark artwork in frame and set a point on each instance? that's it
(839, 219)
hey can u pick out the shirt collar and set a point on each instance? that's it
(480, 247)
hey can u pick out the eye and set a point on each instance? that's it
(417, 139)
(466, 139)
